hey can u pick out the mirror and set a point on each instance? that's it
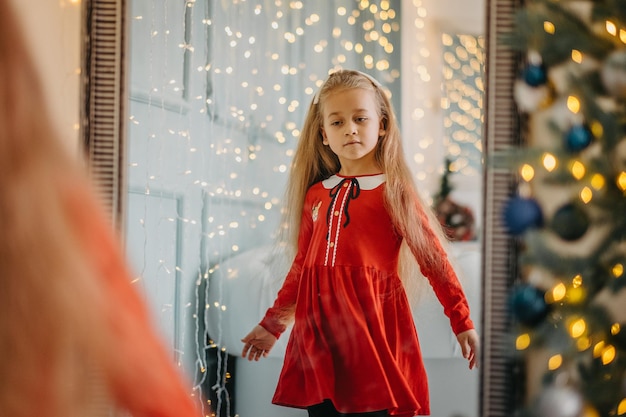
(194, 109)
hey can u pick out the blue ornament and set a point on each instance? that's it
(534, 75)
(528, 304)
(578, 138)
(521, 214)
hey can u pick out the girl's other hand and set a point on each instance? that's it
(257, 343)
(470, 346)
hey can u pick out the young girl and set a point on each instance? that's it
(75, 337)
(352, 205)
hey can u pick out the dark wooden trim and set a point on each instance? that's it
(103, 100)
(499, 379)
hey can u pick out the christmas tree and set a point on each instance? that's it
(445, 186)
(569, 210)
(457, 220)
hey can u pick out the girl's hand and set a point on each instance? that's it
(257, 343)
(470, 346)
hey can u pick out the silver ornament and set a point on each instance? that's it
(560, 402)
(530, 99)
(613, 73)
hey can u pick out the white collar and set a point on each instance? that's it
(366, 182)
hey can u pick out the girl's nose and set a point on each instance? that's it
(350, 129)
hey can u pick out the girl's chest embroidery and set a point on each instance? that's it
(315, 210)
(337, 216)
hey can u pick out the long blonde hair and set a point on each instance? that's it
(313, 162)
(48, 302)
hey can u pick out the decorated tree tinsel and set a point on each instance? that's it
(569, 208)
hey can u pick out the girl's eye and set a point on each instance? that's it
(335, 123)
(361, 119)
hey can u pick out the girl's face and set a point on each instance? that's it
(351, 127)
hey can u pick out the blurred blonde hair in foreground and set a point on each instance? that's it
(75, 337)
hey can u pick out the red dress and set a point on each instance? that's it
(353, 340)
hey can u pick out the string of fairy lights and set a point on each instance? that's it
(462, 101)
(265, 103)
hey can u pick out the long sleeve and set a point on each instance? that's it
(443, 279)
(138, 369)
(278, 317)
